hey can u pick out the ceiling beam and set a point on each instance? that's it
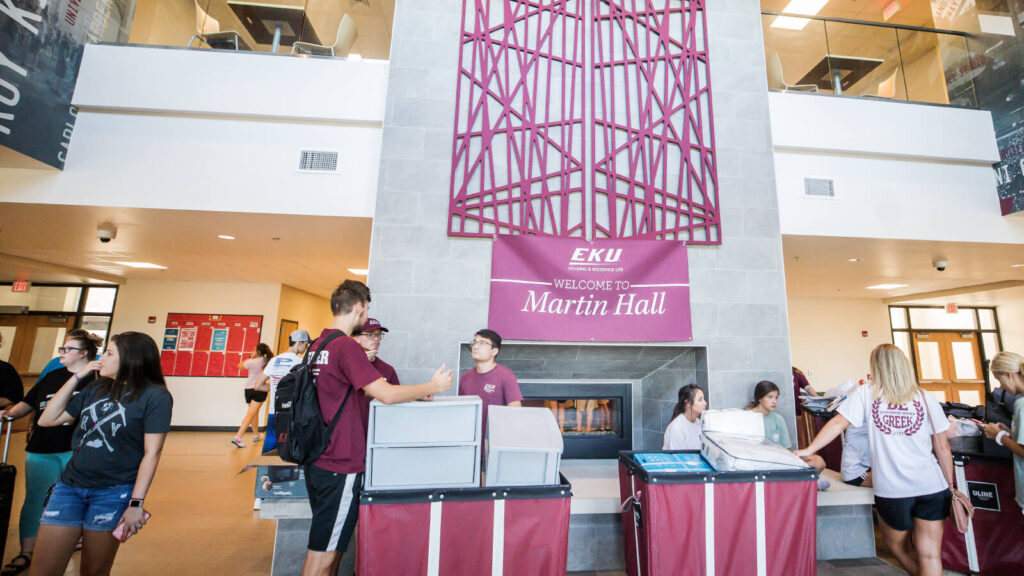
(41, 265)
(1002, 285)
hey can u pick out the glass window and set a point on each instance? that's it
(98, 325)
(991, 343)
(969, 397)
(44, 349)
(930, 359)
(964, 362)
(43, 298)
(938, 319)
(987, 318)
(100, 299)
(6, 341)
(940, 395)
(902, 341)
(898, 317)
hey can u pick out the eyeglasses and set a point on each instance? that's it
(476, 343)
(373, 335)
(64, 349)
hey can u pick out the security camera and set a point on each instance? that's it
(940, 264)
(106, 232)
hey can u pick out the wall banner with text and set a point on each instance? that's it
(571, 290)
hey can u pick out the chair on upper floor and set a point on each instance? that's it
(208, 30)
(347, 34)
(777, 81)
(887, 87)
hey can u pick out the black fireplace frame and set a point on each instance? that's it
(590, 447)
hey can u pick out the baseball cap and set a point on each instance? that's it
(371, 325)
(299, 336)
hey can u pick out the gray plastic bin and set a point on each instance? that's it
(524, 447)
(424, 445)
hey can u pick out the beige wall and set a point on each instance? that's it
(825, 337)
(313, 313)
(198, 401)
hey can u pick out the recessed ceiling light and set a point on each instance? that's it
(854, 259)
(1016, 265)
(359, 271)
(225, 237)
(145, 265)
(887, 286)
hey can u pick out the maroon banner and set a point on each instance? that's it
(571, 290)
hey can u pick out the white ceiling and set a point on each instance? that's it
(818, 266)
(311, 253)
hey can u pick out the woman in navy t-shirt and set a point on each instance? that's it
(122, 421)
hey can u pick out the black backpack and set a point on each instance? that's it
(302, 435)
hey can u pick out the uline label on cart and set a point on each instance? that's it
(984, 495)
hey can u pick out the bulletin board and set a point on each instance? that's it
(208, 344)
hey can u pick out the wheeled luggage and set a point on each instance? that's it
(707, 523)
(8, 474)
(516, 530)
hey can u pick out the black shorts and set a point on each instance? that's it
(334, 499)
(899, 513)
(254, 395)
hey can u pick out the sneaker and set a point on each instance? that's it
(257, 438)
(823, 484)
(238, 442)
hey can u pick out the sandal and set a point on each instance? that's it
(12, 568)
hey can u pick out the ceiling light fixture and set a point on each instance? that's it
(225, 237)
(854, 259)
(887, 286)
(143, 265)
(1016, 265)
(805, 7)
(359, 271)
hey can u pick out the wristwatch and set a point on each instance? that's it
(135, 503)
(999, 437)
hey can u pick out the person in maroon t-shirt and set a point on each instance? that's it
(495, 384)
(369, 337)
(335, 478)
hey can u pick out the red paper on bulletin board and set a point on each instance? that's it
(208, 344)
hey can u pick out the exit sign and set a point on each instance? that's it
(951, 309)
(20, 286)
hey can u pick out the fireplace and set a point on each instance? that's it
(596, 419)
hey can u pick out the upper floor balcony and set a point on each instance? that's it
(838, 56)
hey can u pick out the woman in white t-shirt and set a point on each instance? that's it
(683, 432)
(911, 464)
(1008, 368)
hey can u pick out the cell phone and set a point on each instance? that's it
(121, 533)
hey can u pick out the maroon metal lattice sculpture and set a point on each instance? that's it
(519, 153)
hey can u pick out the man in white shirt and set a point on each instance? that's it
(277, 368)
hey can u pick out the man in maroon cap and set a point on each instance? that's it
(369, 337)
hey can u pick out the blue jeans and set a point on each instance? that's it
(41, 471)
(96, 509)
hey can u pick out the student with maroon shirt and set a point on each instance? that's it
(369, 337)
(344, 375)
(495, 384)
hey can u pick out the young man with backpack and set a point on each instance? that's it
(345, 383)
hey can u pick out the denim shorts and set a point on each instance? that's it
(96, 509)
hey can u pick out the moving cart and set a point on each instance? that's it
(706, 522)
(994, 545)
(519, 530)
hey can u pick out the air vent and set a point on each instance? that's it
(819, 188)
(318, 161)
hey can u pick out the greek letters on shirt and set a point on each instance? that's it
(45, 401)
(112, 419)
(490, 388)
(902, 420)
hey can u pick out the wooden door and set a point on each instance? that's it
(949, 366)
(286, 328)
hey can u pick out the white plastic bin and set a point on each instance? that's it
(523, 448)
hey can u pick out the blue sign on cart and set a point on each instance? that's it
(687, 462)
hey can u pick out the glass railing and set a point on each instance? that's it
(853, 58)
(319, 27)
